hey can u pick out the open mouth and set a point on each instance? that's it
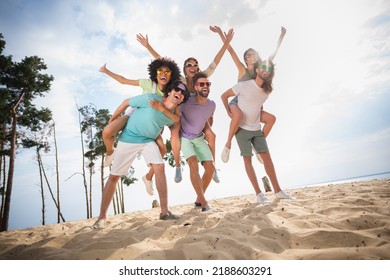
(192, 71)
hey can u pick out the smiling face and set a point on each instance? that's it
(176, 95)
(202, 87)
(163, 75)
(264, 70)
(250, 57)
(191, 68)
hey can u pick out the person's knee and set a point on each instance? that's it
(107, 132)
(158, 168)
(272, 119)
(209, 166)
(193, 164)
(265, 155)
(163, 149)
(268, 119)
(212, 136)
(114, 178)
(236, 112)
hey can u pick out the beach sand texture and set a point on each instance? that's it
(332, 222)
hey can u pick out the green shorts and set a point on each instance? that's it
(196, 147)
(246, 139)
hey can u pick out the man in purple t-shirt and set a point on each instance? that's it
(195, 116)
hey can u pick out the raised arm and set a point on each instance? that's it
(282, 33)
(145, 42)
(117, 77)
(240, 66)
(226, 43)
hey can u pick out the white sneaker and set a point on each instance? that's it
(209, 209)
(108, 160)
(99, 224)
(262, 199)
(225, 154)
(258, 156)
(283, 195)
(148, 185)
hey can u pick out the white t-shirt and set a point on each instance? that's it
(250, 100)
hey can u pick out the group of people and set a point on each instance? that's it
(182, 103)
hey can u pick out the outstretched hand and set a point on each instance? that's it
(216, 29)
(103, 69)
(229, 35)
(283, 30)
(143, 40)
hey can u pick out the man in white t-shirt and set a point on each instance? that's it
(251, 96)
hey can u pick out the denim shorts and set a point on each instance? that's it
(234, 101)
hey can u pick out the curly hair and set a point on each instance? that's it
(164, 62)
(178, 84)
(267, 85)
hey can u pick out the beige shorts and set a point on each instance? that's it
(125, 153)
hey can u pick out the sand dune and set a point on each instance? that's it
(343, 221)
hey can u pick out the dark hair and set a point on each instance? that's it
(185, 62)
(198, 76)
(267, 85)
(164, 62)
(175, 84)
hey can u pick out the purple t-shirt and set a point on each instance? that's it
(194, 117)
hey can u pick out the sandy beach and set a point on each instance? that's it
(331, 222)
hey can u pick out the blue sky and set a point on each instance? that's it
(331, 89)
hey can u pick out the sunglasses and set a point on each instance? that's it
(177, 89)
(202, 84)
(191, 65)
(167, 72)
(264, 67)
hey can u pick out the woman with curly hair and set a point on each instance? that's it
(162, 72)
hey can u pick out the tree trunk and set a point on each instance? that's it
(49, 187)
(11, 169)
(122, 198)
(58, 176)
(3, 174)
(3, 183)
(41, 186)
(102, 173)
(83, 162)
(90, 190)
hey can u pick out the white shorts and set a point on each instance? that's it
(125, 153)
